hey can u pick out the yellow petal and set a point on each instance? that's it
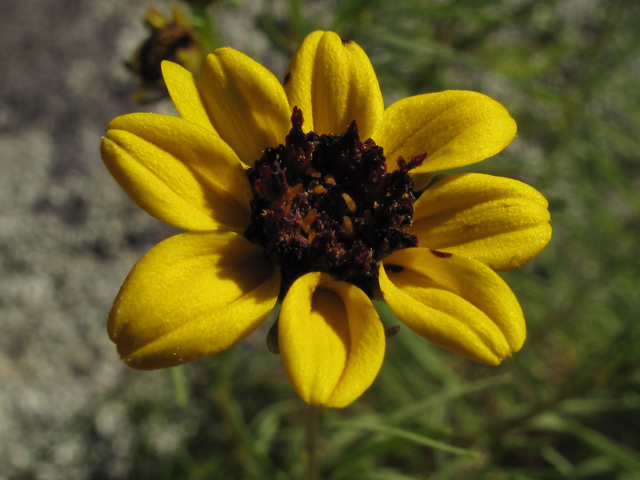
(332, 81)
(331, 340)
(192, 295)
(455, 302)
(177, 171)
(184, 93)
(245, 103)
(497, 221)
(454, 128)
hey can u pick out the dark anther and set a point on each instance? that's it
(413, 162)
(272, 339)
(326, 203)
(440, 254)
(393, 268)
(287, 78)
(391, 331)
(346, 42)
(162, 45)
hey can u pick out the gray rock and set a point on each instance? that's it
(69, 236)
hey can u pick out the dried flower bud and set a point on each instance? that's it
(171, 39)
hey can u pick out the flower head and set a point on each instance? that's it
(171, 39)
(312, 193)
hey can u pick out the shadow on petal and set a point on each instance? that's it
(178, 171)
(333, 82)
(498, 221)
(454, 128)
(331, 340)
(192, 295)
(455, 302)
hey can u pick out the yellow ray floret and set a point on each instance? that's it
(455, 302)
(177, 171)
(333, 83)
(331, 340)
(184, 94)
(454, 128)
(498, 221)
(191, 296)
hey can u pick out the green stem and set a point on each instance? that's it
(234, 421)
(313, 415)
(179, 385)
(206, 27)
(296, 17)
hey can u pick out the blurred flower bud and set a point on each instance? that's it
(172, 39)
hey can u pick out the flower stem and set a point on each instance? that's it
(313, 415)
(180, 385)
(206, 27)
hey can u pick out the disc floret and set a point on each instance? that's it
(327, 203)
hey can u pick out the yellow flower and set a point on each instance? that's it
(322, 220)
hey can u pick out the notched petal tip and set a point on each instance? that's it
(331, 340)
(177, 171)
(498, 221)
(245, 102)
(184, 94)
(165, 313)
(334, 83)
(454, 128)
(455, 302)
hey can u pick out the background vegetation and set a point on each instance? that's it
(568, 405)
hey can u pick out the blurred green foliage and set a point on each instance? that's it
(568, 405)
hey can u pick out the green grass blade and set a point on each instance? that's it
(410, 436)
(622, 455)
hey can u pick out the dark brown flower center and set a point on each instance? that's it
(326, 203)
